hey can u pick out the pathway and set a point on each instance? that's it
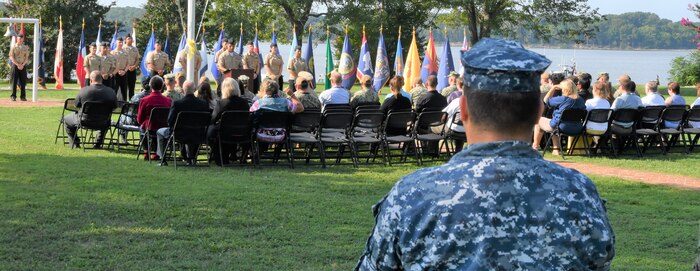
(657, 178)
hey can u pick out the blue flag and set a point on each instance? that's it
(256, 49)
(346, 65)
(274, 40)
(166, 48)
(239, 50)
(113, 43)
(217, 47)
(203, 52)
(446, 65)
(308, 55)
(177, 67)
(398, 61)
(41, 71)
(381, 72)
(151, 46)
(98, 41)
(364, 64)
(294, 45)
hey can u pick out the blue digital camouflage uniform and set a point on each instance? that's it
(493, 206)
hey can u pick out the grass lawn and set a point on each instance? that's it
(94, 209)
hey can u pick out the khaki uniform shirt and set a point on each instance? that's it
(108, 64)
(275, 63)
(92, 63)
(297, 65)
(159, 60)
(132, 55)
(182, 57)
(230, 61)
(121, 57)
(20, 54)
(252, 61)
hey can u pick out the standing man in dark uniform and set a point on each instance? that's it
(19, 55)
(132, 64)
(120, 77)
(496, 205)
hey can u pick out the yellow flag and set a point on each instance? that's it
(412, 67)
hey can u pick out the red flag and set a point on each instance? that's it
(79, 69)
(58, 61)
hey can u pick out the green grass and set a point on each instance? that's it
(75, 209)
(672, 163)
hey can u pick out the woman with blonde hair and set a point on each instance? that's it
(568, 99)
(231, 101)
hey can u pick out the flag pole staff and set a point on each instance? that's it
(190, 38)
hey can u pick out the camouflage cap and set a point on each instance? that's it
(497, 65)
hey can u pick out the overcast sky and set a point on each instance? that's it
(668, 9)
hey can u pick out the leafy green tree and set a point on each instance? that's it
(686, 70)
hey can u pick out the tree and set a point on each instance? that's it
(546, 19)
(686, 70)
(162, 12)
(49, 10)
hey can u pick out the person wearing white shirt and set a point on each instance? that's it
(336, 94)
(452, 110)
(652, 97)
(695, 124)
(598, 102)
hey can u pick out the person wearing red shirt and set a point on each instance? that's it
(155, 99)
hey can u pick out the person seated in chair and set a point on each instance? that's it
(232, 101)
(652, 97)
(569, 99)
(305, 94)
(366, 96)
(95, 92)
(626, 100)
(336, 94)
(396, 102)
(153, 100)
(433, 99)
(187, 103)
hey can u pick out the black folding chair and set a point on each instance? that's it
(125, 127)
(597, 116)
(93, 116)
(190, 129)
(337, 108)
(367, 107)
(398, 127)
(366, 131)
(573, 117)
(68, 107)
(672, 135)
(304, 133)
(157, 115)
(423, 132)
(649, 117)
(692, 133)
(620, 135)
(235, 127)
(335, 131)
(265, 119)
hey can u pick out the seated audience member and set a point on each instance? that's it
(336, 94)
(432, 99)
(452, 110)
(180, 79)
(455, 95)
(451, 84)
(309, 78)
(626, 101)
(598, 102)
(674, 98)
(418, 90)
(243, 82)
(153, 100)
(625, 80)
(604, 77)
(171, 92)
(696, 103)
(396, 102)
(569, 99)
(366, 96)
(305, 94)
(187, 103)
(145, 91)
(403, 93)
(497, 205)
(545, 84)
(652, 97)
(584, 86)
(271, 101)
(95, 92)
(206, 94)
(555, 79)
(231, 101)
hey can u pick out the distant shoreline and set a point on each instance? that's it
(540, 46)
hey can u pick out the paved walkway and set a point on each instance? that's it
(6, 102)
(678, 181)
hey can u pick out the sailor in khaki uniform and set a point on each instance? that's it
(273, 65)
(91, 62)
(132, 63)
(157, 61)
(296, 65)
(182, 59)
(19, 55)
(107, 66)
(120, 77)
(229, 60)
(251, 60)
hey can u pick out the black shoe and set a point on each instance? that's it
(13, 99)
(23, 99)
(162, 164)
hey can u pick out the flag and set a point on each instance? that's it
(412, 68)
(58, 60)
(98, 41)
(217, 47)
(295, 43)
(256, 49)
(177, 66)
(151, 46)
(381, 73)
(79, 69)
(41, 73)
(12, 43)
(239, 50)
(274, 40)
(364, 63)
(329, 59)
(113, 43)
(429, 66)
(465, 47)
(346, 65)
(133, 35)
(166, 48)
(203, 52)
(308, 55)
(398, 60)
(446, 64)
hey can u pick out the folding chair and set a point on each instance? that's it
(265, 119)
(366, 131)
(157, 115)
(452, 138)
(339, 124)
(573, 117)
(93, 116)
(126, 126)
(234, 127)
(423, 131)
(367, 107)
(595, 116)
(692, 132)
(398, 127)
(190, 129)
(648, 127)
(304, 133)
(672, 135)
(336, 108)
(68, 107)
(624, 135)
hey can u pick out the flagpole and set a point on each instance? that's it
(190, 40)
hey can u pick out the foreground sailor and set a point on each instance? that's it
(19, 55)
(497, 205)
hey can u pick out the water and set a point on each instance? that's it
(642, 66)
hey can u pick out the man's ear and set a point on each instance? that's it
(463, 109)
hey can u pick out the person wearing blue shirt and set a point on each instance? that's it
(568, 99)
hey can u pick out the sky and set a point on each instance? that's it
(667, 9)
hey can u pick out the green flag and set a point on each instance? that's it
(329, 59)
